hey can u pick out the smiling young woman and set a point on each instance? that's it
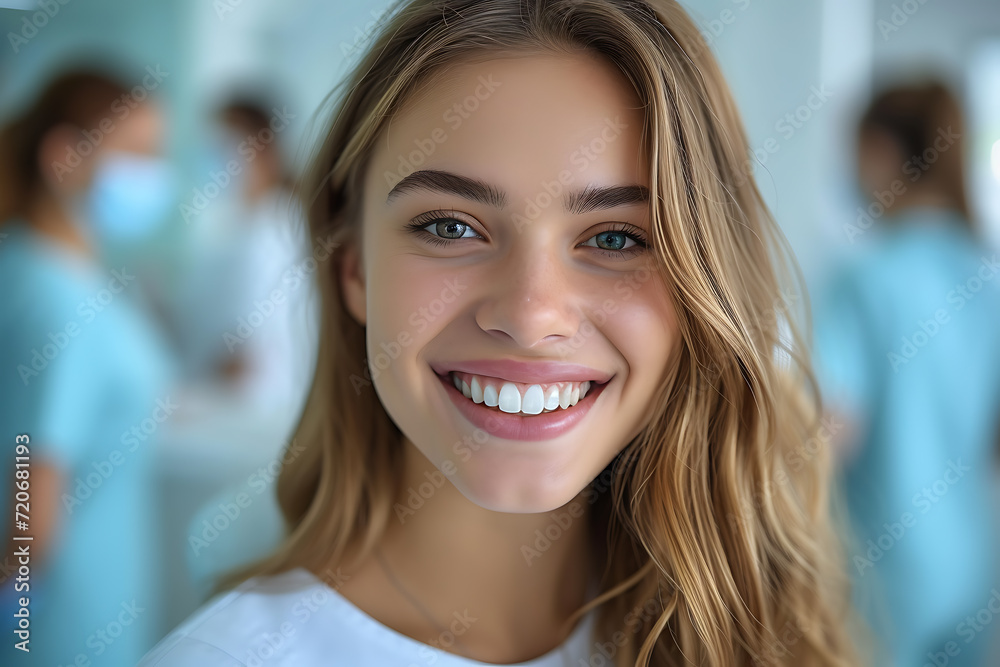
(553, 419)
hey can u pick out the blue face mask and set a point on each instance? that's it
(221, 152)
(129, 198)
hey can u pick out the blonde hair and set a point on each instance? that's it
(721, 549)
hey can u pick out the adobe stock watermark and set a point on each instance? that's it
(712, 29)
(795, 459)
(268, 645)
(454, 116)
(778, 650)
(603, 654)
(561, 520)
(787, 127)
(224, 8)
(900, 16)
(459, 624)
(85, 486)
(780, 306)
(420, 319)
(707, 380)
(88, 310)
(582, 157)
(464, 449)
(105, 635)
(894, 532)
(362, 35)
(914, 167)
(624, 288)
(31, 24)
(121, 107)
(292, 278)
(229, 512)
(969, 628)
(770, 321)
(929, 328)
(248, 149)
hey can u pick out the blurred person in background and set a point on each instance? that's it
(907, 346)
(84, 373)
(251, 261)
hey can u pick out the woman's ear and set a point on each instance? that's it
(352, 283)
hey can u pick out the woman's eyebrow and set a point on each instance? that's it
(591, 198)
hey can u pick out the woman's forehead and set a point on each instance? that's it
(522, 121)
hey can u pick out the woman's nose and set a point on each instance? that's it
(531, 299)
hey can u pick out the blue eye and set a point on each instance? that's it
(448, 229)
(445, 229)
(618, 237)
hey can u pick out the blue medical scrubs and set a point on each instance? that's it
(86, 376)
(908, 342)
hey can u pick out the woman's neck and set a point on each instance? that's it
(520, 576)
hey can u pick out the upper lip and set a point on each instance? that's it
(527, 372)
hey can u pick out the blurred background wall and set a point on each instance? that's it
(799, 70)
(775, 55)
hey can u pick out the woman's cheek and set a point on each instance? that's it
(405, 294)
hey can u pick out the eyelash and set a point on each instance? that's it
(417, 227)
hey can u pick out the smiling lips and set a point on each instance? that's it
(516, 397)
(520, 425)
(522, 400)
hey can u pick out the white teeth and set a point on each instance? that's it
(552, 400)
(564, 395)
(510, 398)
(534, 400)
(477, 390)
(490, 396)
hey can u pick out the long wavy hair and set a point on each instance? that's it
(721, 548)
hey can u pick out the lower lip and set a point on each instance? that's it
(544, 426)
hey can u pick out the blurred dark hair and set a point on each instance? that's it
(81, 98)
(252, 114)
(913, 116)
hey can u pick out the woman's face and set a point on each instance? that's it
(527, 178)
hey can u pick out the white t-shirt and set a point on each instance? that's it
(294, 618)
